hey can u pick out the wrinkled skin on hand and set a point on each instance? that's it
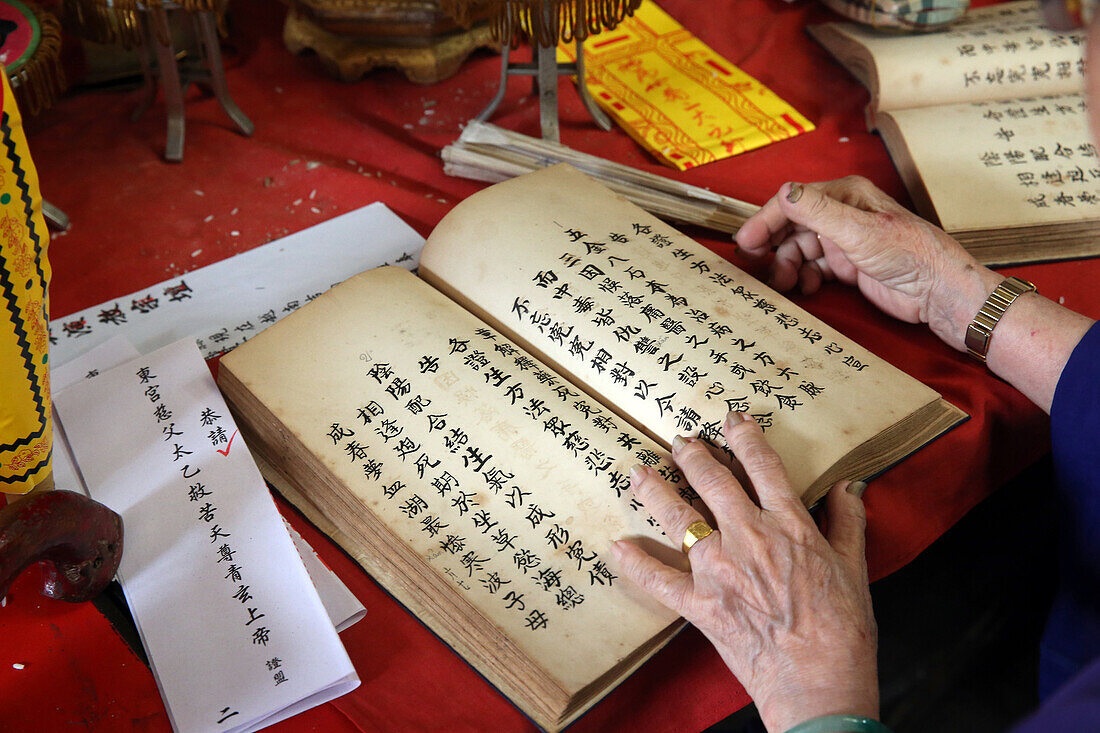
(851, 231)
(787, 607)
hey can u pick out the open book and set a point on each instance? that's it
(470, 443)
(986, 122)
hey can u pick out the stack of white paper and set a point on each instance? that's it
(224, 304)
(234, 629)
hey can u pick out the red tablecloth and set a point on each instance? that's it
(138, 220)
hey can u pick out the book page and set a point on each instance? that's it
(235, 632)
(1002, 164)
(996, 52)
(665, 331)
(499, 475)
(228, 302)
(343, 608)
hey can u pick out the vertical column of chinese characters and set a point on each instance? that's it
(185, 439)
(765, 376)
(1055, 172)
(395, 425)
(498, 480)
(701, 266)
(1002, 56)
(677, 338)
(497, 372)
(221, 341)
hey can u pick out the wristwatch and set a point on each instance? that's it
(980, 330)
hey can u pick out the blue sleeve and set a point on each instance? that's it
(1074, 707)
(1075, 444)
(1071, 640)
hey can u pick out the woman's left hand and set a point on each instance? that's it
(788, 608)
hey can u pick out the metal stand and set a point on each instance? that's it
(546, 71)
(55, 217)
(174, 79)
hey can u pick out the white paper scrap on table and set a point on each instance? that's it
(224, 304)
(235, 632)
(111, 353)
(343, 608)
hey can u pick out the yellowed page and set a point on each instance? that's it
(658, 326)
(996, 52)
(1003, 164)
(496, 473)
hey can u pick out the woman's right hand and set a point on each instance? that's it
(850, 230)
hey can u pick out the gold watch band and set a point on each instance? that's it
(980, 330)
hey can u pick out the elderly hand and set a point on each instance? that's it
(850, 230)
(788, 609)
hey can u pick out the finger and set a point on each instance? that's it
(752, 255)
(762, 464)
(810, 278)
(788, 260)
(809, 243)
(778, 237)
(756, 234)
(814, 207)
(801, 247)
(847, 530)
(859, 192)
(713, 481)
(838, 262)
(826, 269)
(724, 456)
(663, 502)
(671, 587)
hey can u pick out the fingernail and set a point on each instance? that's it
(678, 442)
(736, 416)
(857, 488)
(795, 193)
(636, 472)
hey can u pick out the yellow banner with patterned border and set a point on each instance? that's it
(678, 98)
(26, 431)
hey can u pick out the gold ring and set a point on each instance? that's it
(696, 531)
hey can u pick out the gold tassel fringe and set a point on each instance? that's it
(119, 23)
(544, 22)
(39, 82)
(100, 23)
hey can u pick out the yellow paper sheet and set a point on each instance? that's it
(678, 98)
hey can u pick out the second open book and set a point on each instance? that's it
(987, 124)
(467, 436)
